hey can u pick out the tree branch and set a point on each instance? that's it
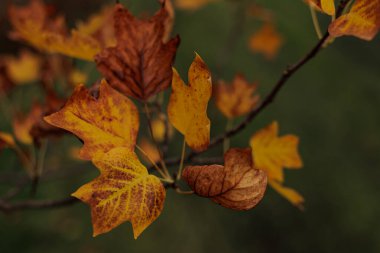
(7, 207)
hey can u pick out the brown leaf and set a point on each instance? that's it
(141, 63)
(236, 185)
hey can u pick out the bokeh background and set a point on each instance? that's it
(332, 104)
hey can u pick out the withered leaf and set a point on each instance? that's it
(236, 185)
(140, 65)
(124, 191)
(110, 121)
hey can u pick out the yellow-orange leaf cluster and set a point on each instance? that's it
(124, 191)
(236, 99)
(362, 21)
(266, 41)
(236, 185)
(187, 108)
(34, 24)
(110, 121)
(326, 6)
(272, 154)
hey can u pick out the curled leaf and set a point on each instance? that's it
(326, 6)
(266, 41)
(140, 65)
(236, 185)
(187, 109)
(124, 191)
(362, 21)
(110, 121)
(236, 99)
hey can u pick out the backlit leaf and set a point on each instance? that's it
(236, 99)
(291, 195)
(110, 121)
(124, 191)
(23, 69)
(140, 65)
(362, 21)
(236, 185)
(22, 125)
(187, 109)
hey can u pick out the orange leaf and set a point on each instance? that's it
(272, 153)
(363, 21)
(237, 99)
(124, 191)
(110, 121)
(140, 64)
(266, 41)
(326, 6)
(150, 150)
(291, 195)
(187, 109)
(236, 185)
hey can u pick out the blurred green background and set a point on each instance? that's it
(332, 104)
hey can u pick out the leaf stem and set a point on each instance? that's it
(162, 162)
(179, 173)
(152, 162)
(316, 24)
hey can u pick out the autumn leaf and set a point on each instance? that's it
(290, 194)
(77, 77)
(140, 65)
(23, 69)
(192, 4)
(236, 185)
(34, 24)
(104, 123)
(326, 6)
(124, 191)
(22, 125)
(236, 99)
(273, 153)
(6, 84)
(150, 150)
(266, 41)
(6, 140)
(187, 109)
(362, 21)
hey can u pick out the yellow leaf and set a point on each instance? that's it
(192, 4)
(6, 140)
(266, 41)
(291, 195)
(124, 191)
(363, 21)
(326, 6)
(76, 77)
(33, 24)
(110, 121)
(159, 129)
(237, 99)
(150, 150)
(272, 153)
(24, 69)
(187, 108)
(22, 125)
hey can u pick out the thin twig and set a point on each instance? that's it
(36, 204)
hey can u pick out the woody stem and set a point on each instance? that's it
(179, 174)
